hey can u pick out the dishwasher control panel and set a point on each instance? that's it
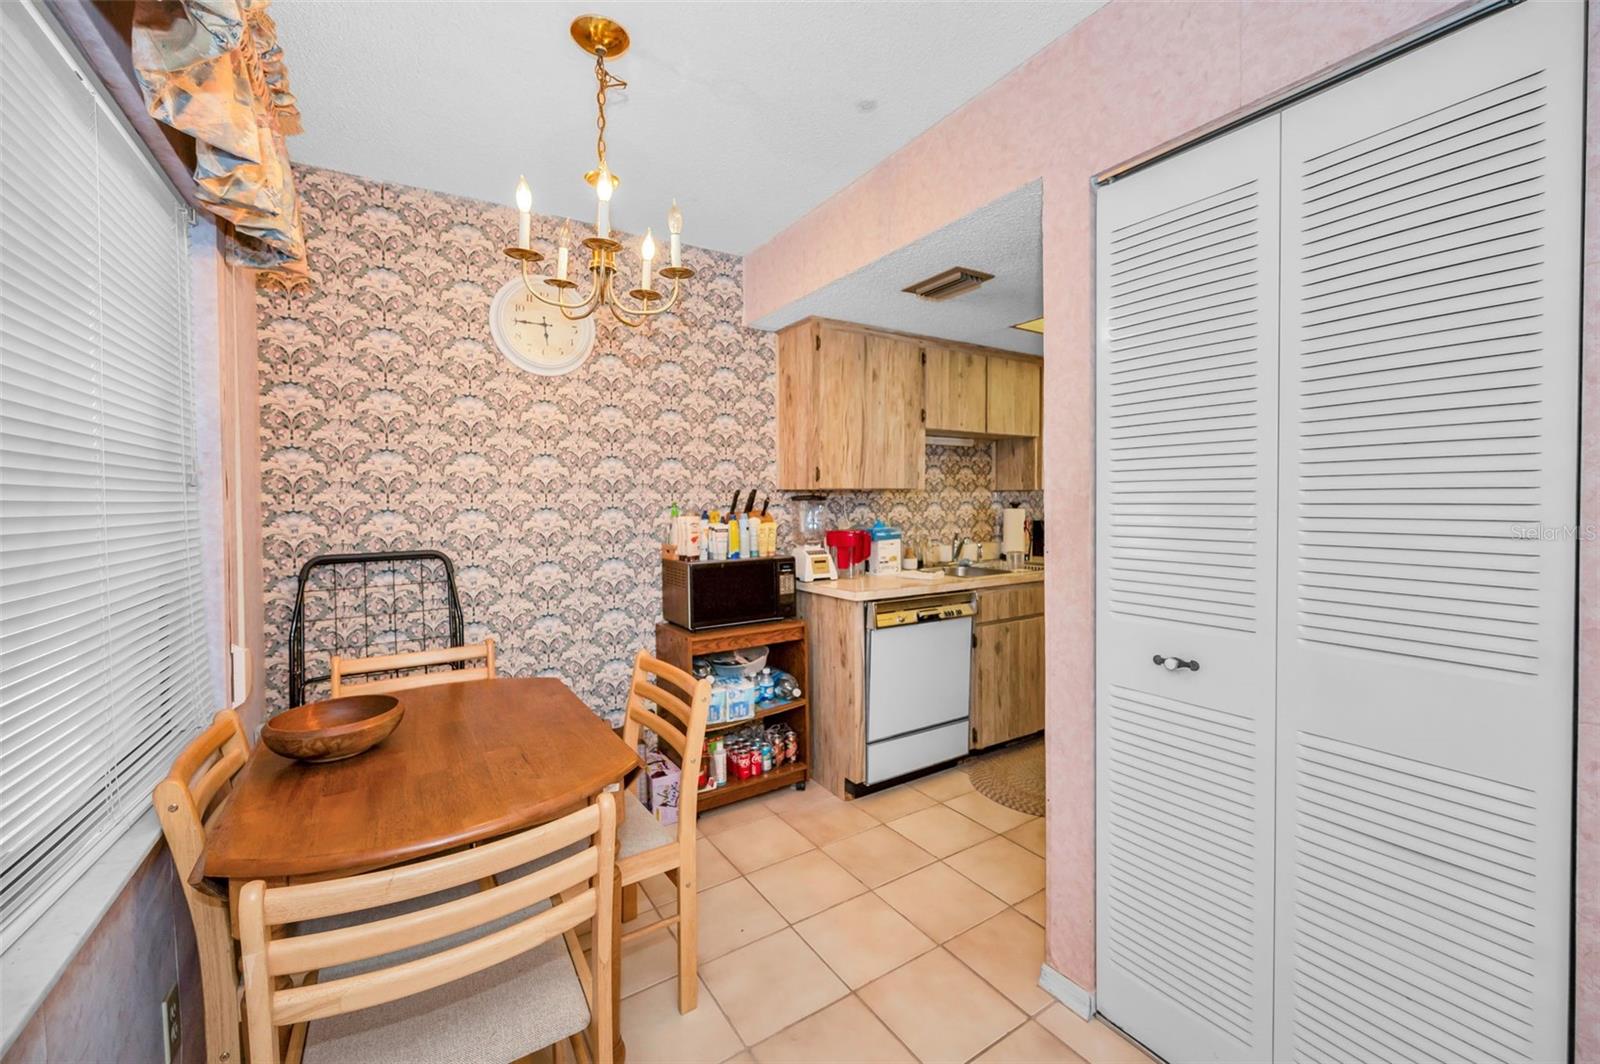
(894, 614)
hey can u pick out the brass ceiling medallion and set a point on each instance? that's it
(603, 39)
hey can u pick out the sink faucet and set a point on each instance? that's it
(957, 545)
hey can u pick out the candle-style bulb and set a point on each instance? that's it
(524, 195)
(647, 250)
(675, 219)
(603, 186)
(675, 227)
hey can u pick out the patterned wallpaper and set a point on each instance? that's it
(389, 420)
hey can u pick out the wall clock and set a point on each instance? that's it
(536, 337)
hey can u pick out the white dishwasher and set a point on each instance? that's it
(919, 683)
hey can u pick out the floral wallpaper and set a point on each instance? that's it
(391, 421)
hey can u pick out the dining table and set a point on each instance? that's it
(468, 762)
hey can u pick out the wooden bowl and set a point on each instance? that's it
(333, 730)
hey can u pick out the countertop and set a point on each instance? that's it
(873, 588)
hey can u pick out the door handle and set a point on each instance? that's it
(1174, 664)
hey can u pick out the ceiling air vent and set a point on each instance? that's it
(949, 284)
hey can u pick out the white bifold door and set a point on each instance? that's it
(1384, 723)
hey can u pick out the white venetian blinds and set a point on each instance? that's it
(102, 648)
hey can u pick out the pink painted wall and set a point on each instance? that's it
(1131, 77)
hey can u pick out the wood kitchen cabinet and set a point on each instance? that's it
(1015, 396)
(855, 406)
(956, 383)
(1008, 665)
(849, 409)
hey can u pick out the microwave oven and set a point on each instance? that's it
(715, 594)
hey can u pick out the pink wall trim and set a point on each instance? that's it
(1129, 78)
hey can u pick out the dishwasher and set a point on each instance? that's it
(919, 683)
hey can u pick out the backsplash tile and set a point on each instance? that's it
(390, 421)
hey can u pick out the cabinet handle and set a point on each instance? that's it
(816, 474)
(1174, 664)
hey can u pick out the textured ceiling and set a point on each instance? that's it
(1003, 238)
(749, 113)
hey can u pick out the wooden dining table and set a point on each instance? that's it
(468, 762)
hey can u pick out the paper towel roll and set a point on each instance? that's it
(1012, 538)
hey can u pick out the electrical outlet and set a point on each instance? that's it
(170, 1023)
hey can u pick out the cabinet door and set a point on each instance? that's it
(1014, 397)
(797, 406)
(1432, 221)
(1007, 680)
(838, 408)
(957, 390)
(1017, 465)
(893, 454)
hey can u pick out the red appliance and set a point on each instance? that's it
(849, 547)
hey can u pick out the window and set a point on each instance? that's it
(103, 664)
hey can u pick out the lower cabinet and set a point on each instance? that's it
(1007, 670)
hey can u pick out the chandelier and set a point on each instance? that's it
(600, 37)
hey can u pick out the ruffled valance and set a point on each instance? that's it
(213, 69)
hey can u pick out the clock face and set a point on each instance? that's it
(535, 336)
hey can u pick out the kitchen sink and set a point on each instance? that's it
(964, 570)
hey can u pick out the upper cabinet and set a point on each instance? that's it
(855, 407)
(956, 382)
(849, 409)
(1015, 396)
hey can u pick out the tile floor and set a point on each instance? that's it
(904, 926)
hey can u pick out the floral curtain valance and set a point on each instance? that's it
(213, 69)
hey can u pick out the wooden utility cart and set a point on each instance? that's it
(788, 650)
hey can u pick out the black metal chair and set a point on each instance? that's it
(365, 603)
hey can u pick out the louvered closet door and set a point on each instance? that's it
(1186, 382)
(1430, 394)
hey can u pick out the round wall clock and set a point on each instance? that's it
(537, 337)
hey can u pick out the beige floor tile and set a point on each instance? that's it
(1029, 835)
(741, 1057)
(649, 960)
(1029, 1044)
(877, 856)
(711, 867)
(1007, 950)
(940, 1009)
(656, 1033)
(941, 830)
(844, 1031)
(1001, 867)
(713, 823)
(988, 812)
(760, 842)
(1093, 1040)
(940, 901)
(1032, 907)
(863, 938)
(945, 785)
(830, 823)
(661, 893)
(787, 799)
(767, 985)
(805, 885)
(734, 915)
(893, 803)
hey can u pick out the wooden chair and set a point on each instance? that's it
(200, 775)
(419, 660)
(491, 974)
(649, 847)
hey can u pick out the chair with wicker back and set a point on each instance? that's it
(649, 847)
(491, 974)
(420, 661)
(201, 774)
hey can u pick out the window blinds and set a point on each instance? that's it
(103, 670)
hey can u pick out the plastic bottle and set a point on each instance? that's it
(719, 760)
